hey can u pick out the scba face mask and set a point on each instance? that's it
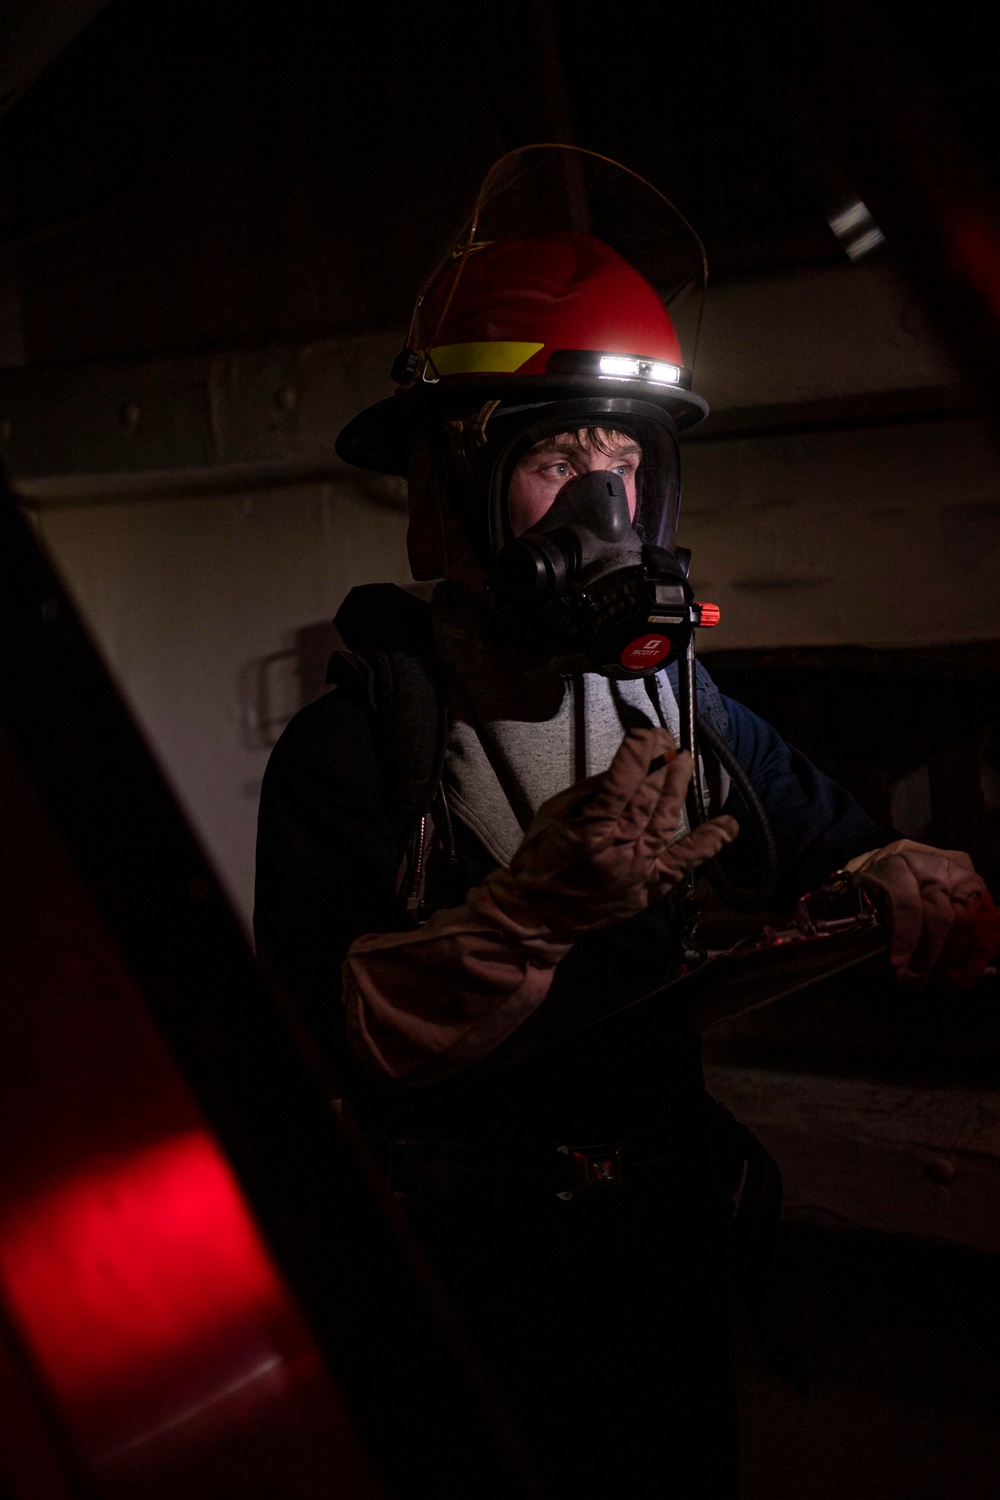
(593, 575)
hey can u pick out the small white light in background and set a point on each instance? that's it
(865, 242)
(856, 230)
(842, 224)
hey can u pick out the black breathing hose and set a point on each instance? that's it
(692, 729)
(741, 898)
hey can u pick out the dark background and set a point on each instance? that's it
(189, 175)
(207, 176)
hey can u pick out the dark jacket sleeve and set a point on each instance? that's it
(818, 825)
(326, 862)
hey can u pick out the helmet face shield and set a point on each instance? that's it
(567, 198)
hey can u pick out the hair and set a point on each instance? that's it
(601, 438)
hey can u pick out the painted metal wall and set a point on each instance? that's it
(842, 493)
(214, 614)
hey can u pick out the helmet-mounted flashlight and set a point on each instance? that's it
(618, 367)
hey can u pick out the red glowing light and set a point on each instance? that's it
(141, 1282)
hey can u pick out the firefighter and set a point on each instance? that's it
(481, 840)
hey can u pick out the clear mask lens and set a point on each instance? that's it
(588, 441)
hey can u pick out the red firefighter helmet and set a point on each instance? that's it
(530, 304)
(545, 306)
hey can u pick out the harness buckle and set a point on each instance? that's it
(590, 1167)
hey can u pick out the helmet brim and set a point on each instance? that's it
(381, 437)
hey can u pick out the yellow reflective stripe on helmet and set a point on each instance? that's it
(493, 358)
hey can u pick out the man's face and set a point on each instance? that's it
(551, 464)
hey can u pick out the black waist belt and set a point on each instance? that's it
(724, 1162)
(710, 1148)
(450, 1170)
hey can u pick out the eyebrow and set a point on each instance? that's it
(545, 448)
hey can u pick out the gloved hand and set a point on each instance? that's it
(944, 922)
(601, 851)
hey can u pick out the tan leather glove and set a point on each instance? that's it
(602, 850)
(944, 921)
